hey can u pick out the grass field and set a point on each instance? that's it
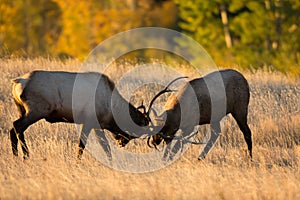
(52, 172)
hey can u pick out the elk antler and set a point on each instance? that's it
(142, 107)
(185, 139)
(165, 90)
(154, 145)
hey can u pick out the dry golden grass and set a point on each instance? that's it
(52, 172)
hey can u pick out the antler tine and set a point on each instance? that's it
(192, 142)
(185, 139)
(176, 79)
(142, 107)
(165, 90)
(148, 142)
(154, 145)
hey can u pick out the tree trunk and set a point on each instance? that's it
(268, 37)
(226, 26)
(42, 29)
(278, 22)
(25, 27)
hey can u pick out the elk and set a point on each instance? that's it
(50, 95)
(201, 101)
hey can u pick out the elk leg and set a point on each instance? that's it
(20, 126)
(13, 133)
(242, 122)
(104, 143)
(214, 135)
(174, 146)
(84, 133)
(172, 149)
(247, 136)
(23, 145)
(14, 141)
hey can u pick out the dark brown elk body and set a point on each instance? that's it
(211, 102)
(50, 96)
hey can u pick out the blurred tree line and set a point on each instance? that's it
(246, 33)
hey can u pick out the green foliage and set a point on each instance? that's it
(263, 33)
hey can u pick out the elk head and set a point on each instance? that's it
(157, 138)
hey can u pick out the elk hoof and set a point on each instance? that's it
(26, 157)
(201, 158)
